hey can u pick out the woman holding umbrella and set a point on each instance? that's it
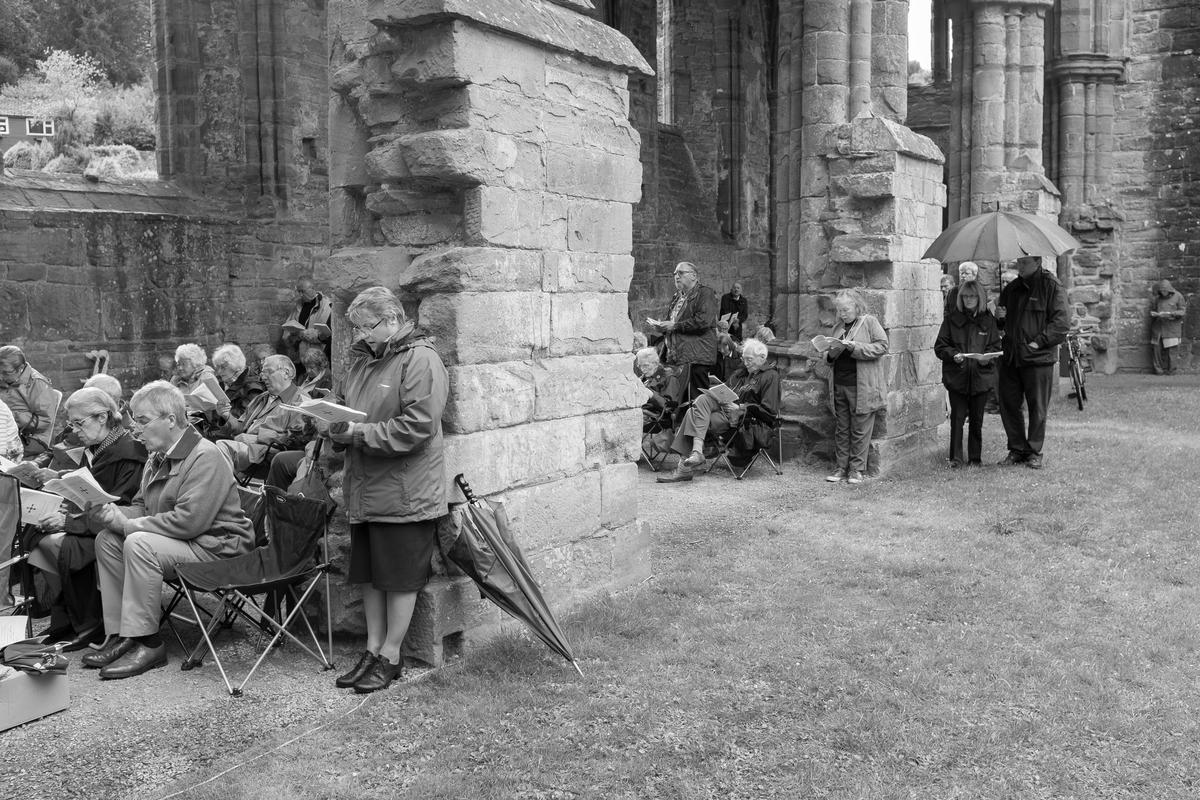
(394, 489)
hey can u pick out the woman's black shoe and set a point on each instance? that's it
(357, 671)
(379, 676)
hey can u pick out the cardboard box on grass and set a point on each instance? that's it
(25, 697)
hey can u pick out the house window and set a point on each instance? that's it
(39, 127)
(3, 126)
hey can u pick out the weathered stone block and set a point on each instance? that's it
(599, 227)
(586, 272)
(556, 513)
(618, 494)
(478, 327)
(613, 437)
(583, 322)
(485, 396)
(474, 269)
(419, 229)
(578, 385)
(584, 172)
(632, 550)
(354, 268)
(856, 248)
(496, 460)
(499, 216)
(446, 608)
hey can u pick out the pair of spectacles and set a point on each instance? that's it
(77, 424)
(141, 422)
(365, 329)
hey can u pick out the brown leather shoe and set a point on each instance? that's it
(116, 648)
(138, 660)
(378, 676)
(355, 674)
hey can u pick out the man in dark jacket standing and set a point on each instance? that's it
(691, 327)
(1033, 312)
(735, 306)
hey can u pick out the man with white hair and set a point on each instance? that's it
(691, 327)
(267, 428)
(756, 383)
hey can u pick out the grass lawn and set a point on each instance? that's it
(990, 633)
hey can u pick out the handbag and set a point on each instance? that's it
(310, 478)
(35, 656)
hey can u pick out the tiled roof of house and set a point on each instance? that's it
(16, 108)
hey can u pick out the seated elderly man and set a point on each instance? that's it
(267, 427)
(756, 383)
(192, 372)
(241, 387)
(186, 510)
(29, 396)
(665, 383)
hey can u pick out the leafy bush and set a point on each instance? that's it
(127, 115)
(119, 162)
(28, 155)
(9, 71)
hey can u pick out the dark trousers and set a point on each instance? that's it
(283, 468)
(1033, 385)
(967, 408)
(698, 378)
(1162, 359)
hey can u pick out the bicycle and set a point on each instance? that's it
(1078, 364)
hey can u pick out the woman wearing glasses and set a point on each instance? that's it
(63, 545)
(186, 510)
(394, 488)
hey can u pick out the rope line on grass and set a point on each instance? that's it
(274, 749)
(294, 739)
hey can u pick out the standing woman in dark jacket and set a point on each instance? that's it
(64, 546)
(968, 329)
(394, 486)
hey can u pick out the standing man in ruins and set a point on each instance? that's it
(735, 306)
(1167, 309)
(1033, 312)
(691, 327)
(300, 330)
(31, 399)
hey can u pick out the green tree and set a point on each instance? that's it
(63, 87)
(115, 33)
(21, 39)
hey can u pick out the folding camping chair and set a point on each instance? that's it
(664, 422)
(288, 562)
(727, 442)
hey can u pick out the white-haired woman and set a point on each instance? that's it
(394, 485)
(186, 510)
(857, 384)
(229, 364)
(63, 545)
(192, 372)
(756, 383)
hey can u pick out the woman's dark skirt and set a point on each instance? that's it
(392, 556)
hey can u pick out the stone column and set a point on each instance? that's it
(889, 59)
(500, 178)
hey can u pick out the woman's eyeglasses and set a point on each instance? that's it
(365, 329)
(77, 424)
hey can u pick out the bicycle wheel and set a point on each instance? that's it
(1077, 380)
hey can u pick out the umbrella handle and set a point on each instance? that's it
(464, 487)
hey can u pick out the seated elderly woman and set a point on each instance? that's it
(186, 510)
(29, 397)
(665, 384)
(317, 379)
(192, 372)
(267, 427)
(756, 383)
(62, 545)
(241, 386)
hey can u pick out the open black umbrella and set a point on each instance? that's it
(486, 552)
(1000, 236)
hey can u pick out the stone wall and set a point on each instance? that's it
(1156, 175)
(137, 269)
(705, 171)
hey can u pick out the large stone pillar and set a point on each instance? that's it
(498, 176)
(996, 158)
(1088, 63)
(867, 203)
